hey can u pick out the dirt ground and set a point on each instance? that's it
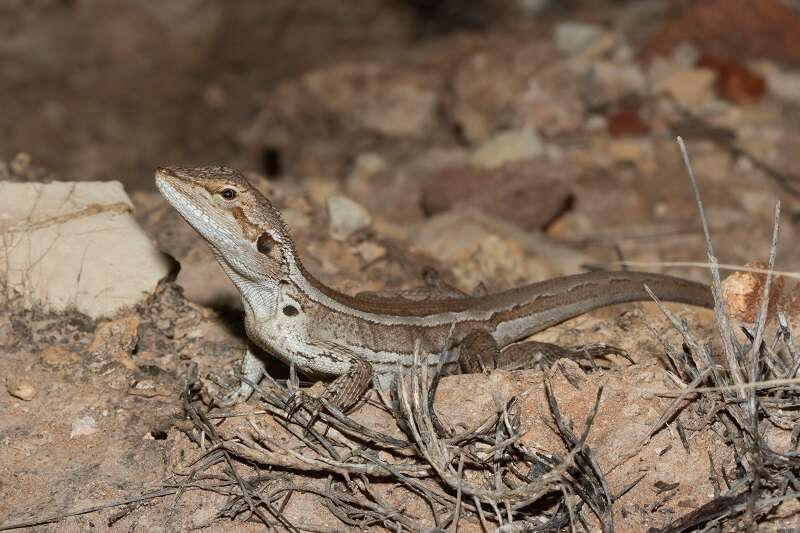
(497, 143)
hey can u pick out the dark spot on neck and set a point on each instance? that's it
(290, 310)
(264, 243)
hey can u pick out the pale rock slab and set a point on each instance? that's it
(75, 245)
(346, 217)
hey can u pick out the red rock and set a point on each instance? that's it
(735, 82)
(626, 121)
(743, 290)
(734, 30)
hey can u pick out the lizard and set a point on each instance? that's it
(352, 341)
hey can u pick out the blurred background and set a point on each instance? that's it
(100, 90)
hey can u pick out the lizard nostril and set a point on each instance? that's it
(290, 310)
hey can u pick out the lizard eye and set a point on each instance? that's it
(228, 194)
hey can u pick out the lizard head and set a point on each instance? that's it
(247, 234)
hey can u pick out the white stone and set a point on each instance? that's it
(572, 37)
(367, 165)
(75, 245)
(507, 146)
(83, 427)
(610, 80)
(346, 217)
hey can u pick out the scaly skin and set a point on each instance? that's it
(327, 334)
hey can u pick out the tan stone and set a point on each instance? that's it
(690, 86)
(57, 356)
(20, 388)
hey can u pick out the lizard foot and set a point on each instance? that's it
(301, 400)
(238, 395)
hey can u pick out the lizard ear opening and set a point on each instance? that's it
(265, 243)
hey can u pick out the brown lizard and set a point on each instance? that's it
(327, 334)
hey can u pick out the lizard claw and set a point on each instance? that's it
(302, 400)
(236, 396)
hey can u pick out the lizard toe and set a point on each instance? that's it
(301, 400)
(236, 396)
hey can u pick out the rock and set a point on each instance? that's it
(531, 8)
(402, 110)
(20, 163)
(553, 109)
(736, 82)
(391, 190)
(630, 150)
(732, 29)
(785, 85)
(307, 118)
(453, 235)
(573, 37)
(296, 220)
(609, 81)
(370, 251)
(76, 246)
(20, 388)
(346, 217)
(486, 85)
(478, 252)
(58, 356)
(450, 237)
(319, 190)
(508, 146)
(512, 192)
(791, 306)
(691, 86)
(626, 120)
(743, 290)
(83, 427)
(498, 261)
(148, 388)
(116, 340)
(367, 166)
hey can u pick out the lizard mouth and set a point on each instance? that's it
(169, 187)
(193, 210)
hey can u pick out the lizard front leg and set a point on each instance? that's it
(344, 391)
(252, 371)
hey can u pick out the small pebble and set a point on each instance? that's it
(83, 426)
(21, 388)
(346, 217)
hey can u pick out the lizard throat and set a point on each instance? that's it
(259, 295)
